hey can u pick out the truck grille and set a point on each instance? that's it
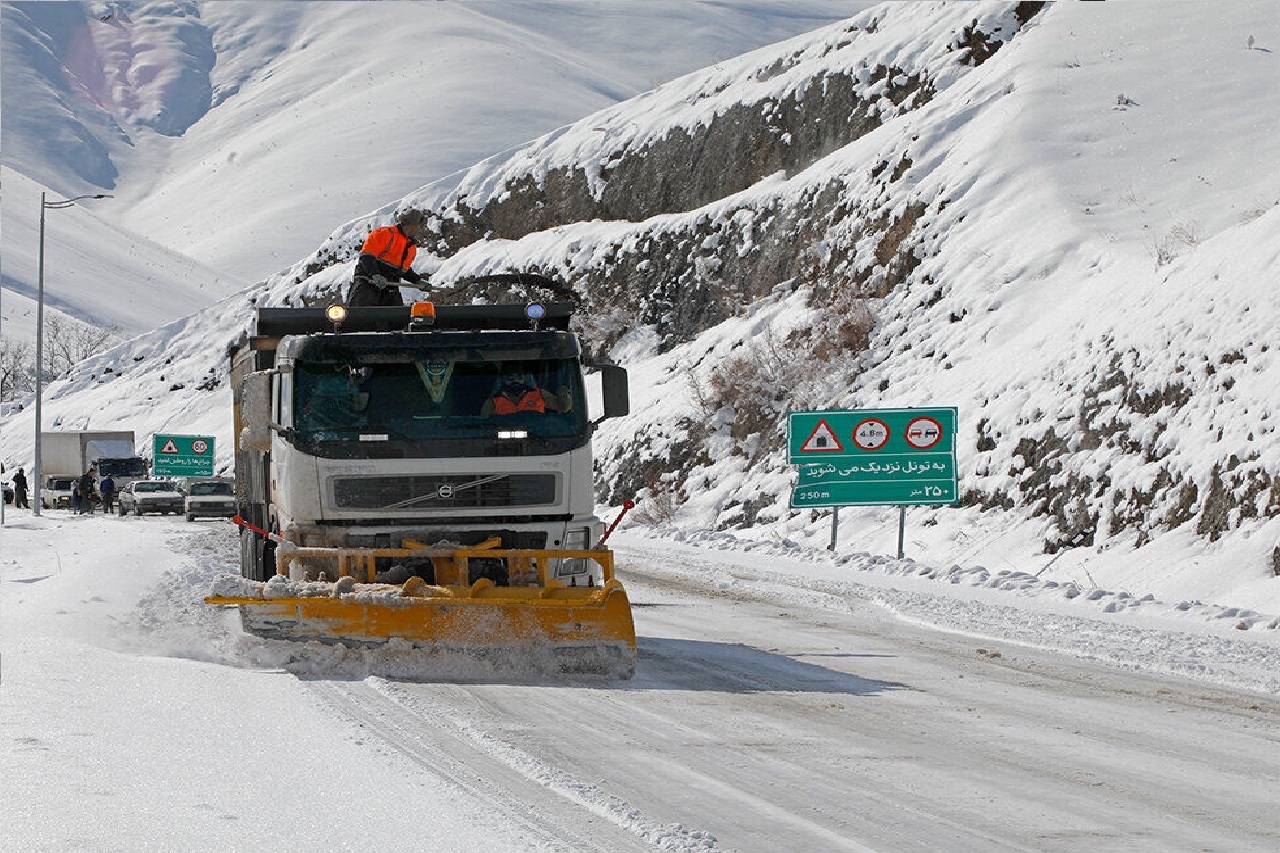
(445, 491)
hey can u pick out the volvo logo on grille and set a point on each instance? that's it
(445, 490)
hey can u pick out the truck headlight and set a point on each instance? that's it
(575, 539)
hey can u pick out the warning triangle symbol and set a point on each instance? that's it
(822, 440)
(169, 447)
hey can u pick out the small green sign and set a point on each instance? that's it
(873, 457)
(182, 456)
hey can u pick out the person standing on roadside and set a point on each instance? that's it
(107, 488)
(386, 258)
(86, 492)
(20, 490)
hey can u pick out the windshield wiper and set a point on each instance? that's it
(445, 490)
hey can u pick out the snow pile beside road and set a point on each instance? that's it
(1222, 645)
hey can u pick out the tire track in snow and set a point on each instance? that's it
(558, 809)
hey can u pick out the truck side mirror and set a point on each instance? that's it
(613, 387)
(255, 412)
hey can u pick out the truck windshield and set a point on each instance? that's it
(425, 401)
(134, 467)
(210, 489)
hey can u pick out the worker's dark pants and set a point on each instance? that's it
(367, 293)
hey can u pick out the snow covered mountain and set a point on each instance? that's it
(240, 134)
(1061, 219)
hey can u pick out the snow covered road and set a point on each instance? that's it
(765, 715)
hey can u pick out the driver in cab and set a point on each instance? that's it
(519, 393)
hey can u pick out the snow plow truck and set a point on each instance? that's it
(423, 475)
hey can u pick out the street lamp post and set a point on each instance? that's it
(37, 479)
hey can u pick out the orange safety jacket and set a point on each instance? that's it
(390, 246)
(530, 401)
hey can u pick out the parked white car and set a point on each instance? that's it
(142, 496)
(210, 499)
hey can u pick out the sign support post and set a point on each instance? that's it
(902, 528)
(835, 527)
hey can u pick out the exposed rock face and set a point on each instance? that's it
(685, 277)
(689, 169)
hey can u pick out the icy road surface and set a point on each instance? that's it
(764, 716)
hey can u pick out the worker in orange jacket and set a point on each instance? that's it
(520, 393)
(386, 259)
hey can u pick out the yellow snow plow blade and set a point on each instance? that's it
(579, 628)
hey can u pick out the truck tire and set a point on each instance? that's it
(257, 558)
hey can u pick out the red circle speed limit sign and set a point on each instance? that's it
(199, 446)
(871, 434)
(923, 433)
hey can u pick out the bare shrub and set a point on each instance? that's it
(756, 384)
(17, 369)
(1186, 233)
(68, 342)
(847, 331)
(767, 376)
(1164, 251)
(659, 503)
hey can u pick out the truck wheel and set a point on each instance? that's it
(190, 517)
(137, 510)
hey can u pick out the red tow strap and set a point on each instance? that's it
(626, 505)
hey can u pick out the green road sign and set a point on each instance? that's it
(182, 456)
(873, 457)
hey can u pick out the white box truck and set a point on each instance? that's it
(65, 455)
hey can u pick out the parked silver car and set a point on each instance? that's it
(142, 496)
(210, 498)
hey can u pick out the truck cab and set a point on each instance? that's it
(56, 493)
(378, 433)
